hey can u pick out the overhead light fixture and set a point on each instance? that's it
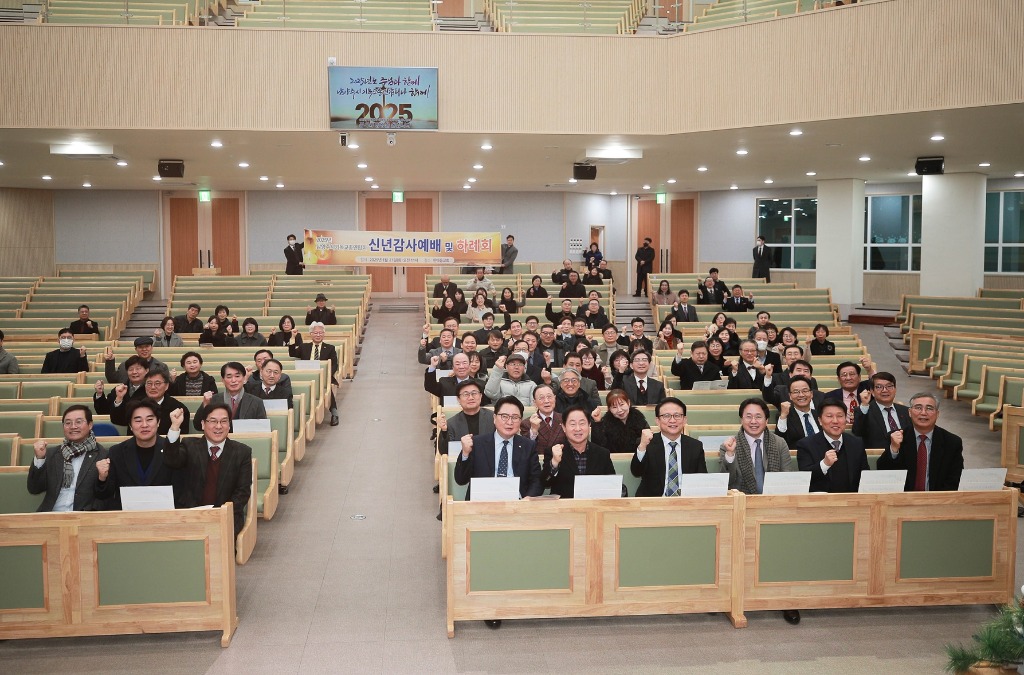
(741, 151)
(486, 146)
(796, 132)
(216, 144)
(768, 181)
(615, 154)
(647, 187)
(369, 179)
(985, 164)
(938, 137)
(702, 168)
(912, 173)
(572, 180)
(83, 150)
(264, 177)
(375, 186)
(734, 187)
(671, 181)
(864, 158)
(280, 184)
(471, 180)
(352, 144)
(47, 177)
(157, 178)
(466, 186)
(1, 163)
(478, 166)
(243, 165)
(86, 184)
(121, 162)
(361, 165)
(1019, 174)
(811, 173)
(613, 193)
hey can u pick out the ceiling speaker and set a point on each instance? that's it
(930, 166)
(584, 171)
(170, 168)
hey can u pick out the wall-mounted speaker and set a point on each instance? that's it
(930, 166)
(170, 168)
(584, 171)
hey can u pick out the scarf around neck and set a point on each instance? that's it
(71, 449)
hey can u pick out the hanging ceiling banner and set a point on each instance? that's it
(409, 249)
(391, 99)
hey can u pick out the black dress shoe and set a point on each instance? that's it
(493, 624)
(334, 420)
(791, 616)
(439, 514)
(437, 489)
(282, 489)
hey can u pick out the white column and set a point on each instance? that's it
(953, 234)
(840, 247)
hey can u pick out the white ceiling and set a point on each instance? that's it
(438, 161)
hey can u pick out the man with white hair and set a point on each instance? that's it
(318, 350)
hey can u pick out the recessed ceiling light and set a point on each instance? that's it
(938, 137)
(985, 164)
(734, 187)
(811, 173)
(361, 165)
(796, 132)
(486, 146)
(375, 186)
(121, 162)
(369, 179)
(157, 178)
(768, 181)
(280, 185)
(613, 193)
(864, 158)
(478, 166)
(647, 187)
(912, 173)
(47, 177)
(86, 184)
(243, 165)
(572, 180)
(1, 163)
(702, 168)
(1019, 174)
(264, 177)
(471, 180)
(741, 152)
(216, 144)
(466, 186)
(353, 145)
(671, 181)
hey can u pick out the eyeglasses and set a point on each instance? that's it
(217, 423)
(469, 394)
(799, 392)
(672, 416)
(885, 387)
(505, 417)
(754, 418)
(567, 380)
(923, 408)
(75, 423)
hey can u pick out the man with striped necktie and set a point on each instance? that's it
(661, 458)
(875, 420)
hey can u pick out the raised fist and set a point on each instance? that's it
(81, 352)
(157, 333)
(308, 308)
(564, 285)
(681, 349)
(865, 397)
(896, 439)
(108, 354)
(442, 421)
(547, 359)
(272, 331)
(119, 391)
(426, 327)
(174, 374)
(103, 469)
(177, 416)
(545, 376)
(434, 360)
(645, 438)
(730, 446)
(556, 455)
(467, 444)
(500, 363)
(784, 409)
(423, 343)
(831, 456)
(769, 369)
(443, 356)
(207, 397)
(535, 422)
(39, 448)
(597, 414)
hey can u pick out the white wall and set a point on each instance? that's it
(584, 210)
(105, 226)
(727, 221)
(535, 219)
(952, 234)
(272, 216)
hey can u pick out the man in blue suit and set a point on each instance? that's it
(503, 453)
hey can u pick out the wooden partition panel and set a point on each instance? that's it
(184, 236)
(684, 243)
(419, 217)
(378, 219)
(226, 250)
(112, 573)
(1013, 448)
(648, 225)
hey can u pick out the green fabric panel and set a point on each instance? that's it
(791, 552)
(496, 560)
(631, 482)
(667, 556)
(926, 553)
(21, 584)
(15, 497)
(148, 572)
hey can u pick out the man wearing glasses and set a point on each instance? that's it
(875, 421)
(932, 456)
(215, 469)
(798, 417)
(67, 472)
(473, 419)
(502, 454)
(753, 451)
(661, 458)
(642, 389)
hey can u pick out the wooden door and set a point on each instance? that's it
(683, 245)
(226, 247)
(378, 219)
(184, 235)
(419, 217)
(649, 225)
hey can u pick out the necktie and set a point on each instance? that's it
(234, 406)
(836, 445)
(892, 422)
(214, 453)
(853, 406)
(759, 250)
(266, 391)
(808, 427)
(758, 466)
(551, 423)
(922, 465)
(503, 461)
(672, 473)
(316, 353)
(641, 386)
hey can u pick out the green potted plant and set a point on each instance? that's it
(998, 646)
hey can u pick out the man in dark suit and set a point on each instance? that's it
(798, 416)
(269, 389)
(134, 390)
(241, 404)
(575, 456)
(503, 453)
(682, 310)
(760, 339)
(446, 386)
(84, 325)
(762, 261)
(189, 322)
(851, 385)
(696, 368)
(155, 389)
(750, 373)
(708, 293)
(293, 257)
(875, 420)
(214, 468)
(139, 461)
(779, 391)
(544, 427)
(318, 350)
(641, 389)
(67, 472)
(834, 458)
(444, 288)
(661, 458)
(636, 336)
(737, 302)
(932, 456)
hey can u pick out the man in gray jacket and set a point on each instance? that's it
(508, 378)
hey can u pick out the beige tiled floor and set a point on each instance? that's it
(327, 594)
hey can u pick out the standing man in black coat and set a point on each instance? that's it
(293, 256)
(662, 458)
(932, 456)
(762, 261)
(644, 265)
